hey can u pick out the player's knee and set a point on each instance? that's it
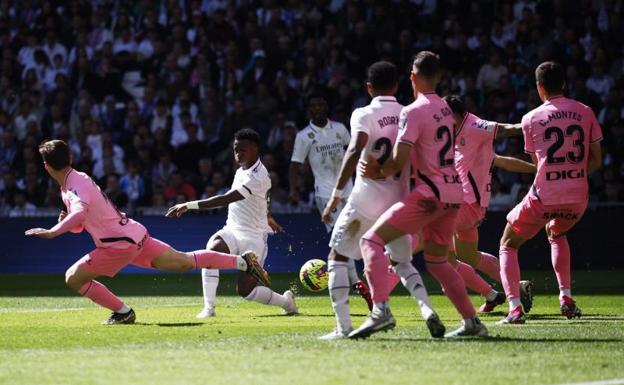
(71, 280)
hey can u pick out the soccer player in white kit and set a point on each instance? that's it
(323, 143)
(374, 130)
(248, 224)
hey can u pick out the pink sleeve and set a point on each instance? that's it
(408, 129)
(72, 221)
(595, 132)
(486, 129)
(529, 146)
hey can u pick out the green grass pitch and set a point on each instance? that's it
(49, 336)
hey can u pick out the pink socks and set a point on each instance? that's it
(473, 280)
(452, 284)
(376, 266)
(99, 294)
(560, 255)
(510, 271)
(489, 265)
(209, 259)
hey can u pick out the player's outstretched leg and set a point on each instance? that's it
(477, 284)
(455, 289)
(376, 261)
(510, 275)
(248, 288)
(560, 256)
(84, 283)
(339, 295)
(489, 265)
(210, 282)
(400, 251)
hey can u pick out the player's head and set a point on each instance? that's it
(426, 71)
(383, 79)
(56, 155)
(246, 147)
(457, 106)
(550, 79)
(317, 107)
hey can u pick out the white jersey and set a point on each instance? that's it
(250, 214)
(380, 121)
(324, 147)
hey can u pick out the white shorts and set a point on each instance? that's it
(320, 205)
(239, 242)
(349, 228)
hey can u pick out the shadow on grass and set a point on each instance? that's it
(584, 317)
(170, 324)
(497, 339)
(331, 315)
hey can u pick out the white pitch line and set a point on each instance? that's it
(615, 381)
(45, 310)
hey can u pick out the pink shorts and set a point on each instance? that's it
(415, 213)
(530, 216)
(108, 261)
(468, 221)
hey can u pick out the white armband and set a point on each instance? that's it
(336, 193)
(192, 205)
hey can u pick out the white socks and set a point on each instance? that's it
(353, 274)
(339, 294)
(566, 292)
(411, 279)
(492, 295)
(514, 303)
(264, 295)
(210, 281)
(124, 309)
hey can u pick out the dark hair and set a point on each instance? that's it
(55, 153)
(248, 134)
(550, 75)
(383, 75)
(427, 63)
(456, 104)
(316, 95)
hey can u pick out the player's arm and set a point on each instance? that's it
(69, 222)
(293, 182)
(595, 157)
(349, 164)
(512, 164)
(205, 204)
(273, 224)
(400, 156)
(505, 130)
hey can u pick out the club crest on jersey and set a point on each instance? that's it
(311, 135)
(463, 141)
(485, 125)
(402, 123)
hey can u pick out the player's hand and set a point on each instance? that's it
(293, 197)
(40, 232)
(370, 168)
(62, 215)
(276, 227)
(330, 207)
(177, 210)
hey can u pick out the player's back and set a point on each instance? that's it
(559, 133)
(427, 124)
(105, 223)
(380, 121)
(474, 154)
(250, 214)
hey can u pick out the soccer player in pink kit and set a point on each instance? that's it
(426, 135)
(563, 138)
(119, 240)
(474, 159)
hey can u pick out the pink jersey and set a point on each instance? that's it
(107, 225)
(474, 154)
(427, 124)
(559, 133)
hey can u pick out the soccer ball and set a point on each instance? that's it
(313, 275)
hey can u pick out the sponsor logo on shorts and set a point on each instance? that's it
(561, 215)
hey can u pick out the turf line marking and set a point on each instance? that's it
(615, 381)
(45, 310)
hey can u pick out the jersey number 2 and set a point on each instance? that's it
(448, 145)
(386, 144)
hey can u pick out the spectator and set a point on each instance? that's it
(178, 187)
(132, 184)
(114, 192)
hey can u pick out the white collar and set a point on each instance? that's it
(318, 128)
(382, 99)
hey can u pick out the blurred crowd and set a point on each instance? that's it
(149, 93)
